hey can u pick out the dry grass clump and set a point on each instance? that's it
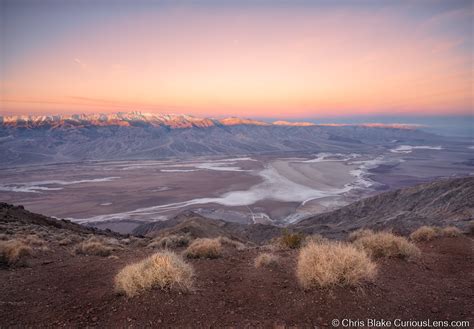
(225, 241)
(204, 248)
(315, 238)
(359, 234)
(138, 242)
(33, 240)
(65, 242)
(333, 263)
(291, 240)
(170, 242)
(386, 244)
(451, 231)
(425, 233)
(12, 251)
(93, 247)
(266, 260)
(165, 270)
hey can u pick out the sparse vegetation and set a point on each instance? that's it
(65, 242)
(451, 231)
(333, 263)
(33, 240)
(359, 234)
(93, 247)
(291, 240)
(204, 248)
(424, 233)
(170, 241)
(225, 241)
(12, 251)
(165, 270)
(315, 238)
(386, 244)
(266, 260)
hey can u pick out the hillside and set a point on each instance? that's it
(140, 136)
(58, 286)
(66, 274)
(200, 227)
(440, 203)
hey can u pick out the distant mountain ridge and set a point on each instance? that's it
(131, 136)
(132, 118)
(157, 120)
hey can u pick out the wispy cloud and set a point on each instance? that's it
(80, 63)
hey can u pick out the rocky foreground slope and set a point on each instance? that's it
(68, 272)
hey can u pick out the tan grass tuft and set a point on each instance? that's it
(65, 242)
(425, 233)
(266, 260)
(333, 263)
(170, 242)
(164, 270)
(225, 241)
(204, 248)
(386, 244)
(92, 247)
(34, 240)
(359, 234)
(451, 231)
(315, 238)
(12, 251)
(290, 240)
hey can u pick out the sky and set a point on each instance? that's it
(265, 59)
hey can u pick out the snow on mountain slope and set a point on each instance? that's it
(135, 135)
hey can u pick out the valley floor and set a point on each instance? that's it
(57, 289)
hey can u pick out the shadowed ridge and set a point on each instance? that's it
(440, 203)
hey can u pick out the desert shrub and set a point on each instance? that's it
(65, 242)
(225, 241)
(425, 233)
(3, 237)
(171, 241)
(359, 234)
(291, 240)
(204, 248)
(33, 240)
(92, 247)
(138, 242)
(333, 263)
(271, 247)
(12, 251)
(266, 260)
(451, 231)
(314, 238)
(386, 244)
(165, 270)
(112, 242)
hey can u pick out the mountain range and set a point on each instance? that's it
(65, 138)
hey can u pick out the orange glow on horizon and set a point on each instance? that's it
(291, 63)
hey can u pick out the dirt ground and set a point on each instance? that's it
(57, 289)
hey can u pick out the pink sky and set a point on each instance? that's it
(299, 61)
